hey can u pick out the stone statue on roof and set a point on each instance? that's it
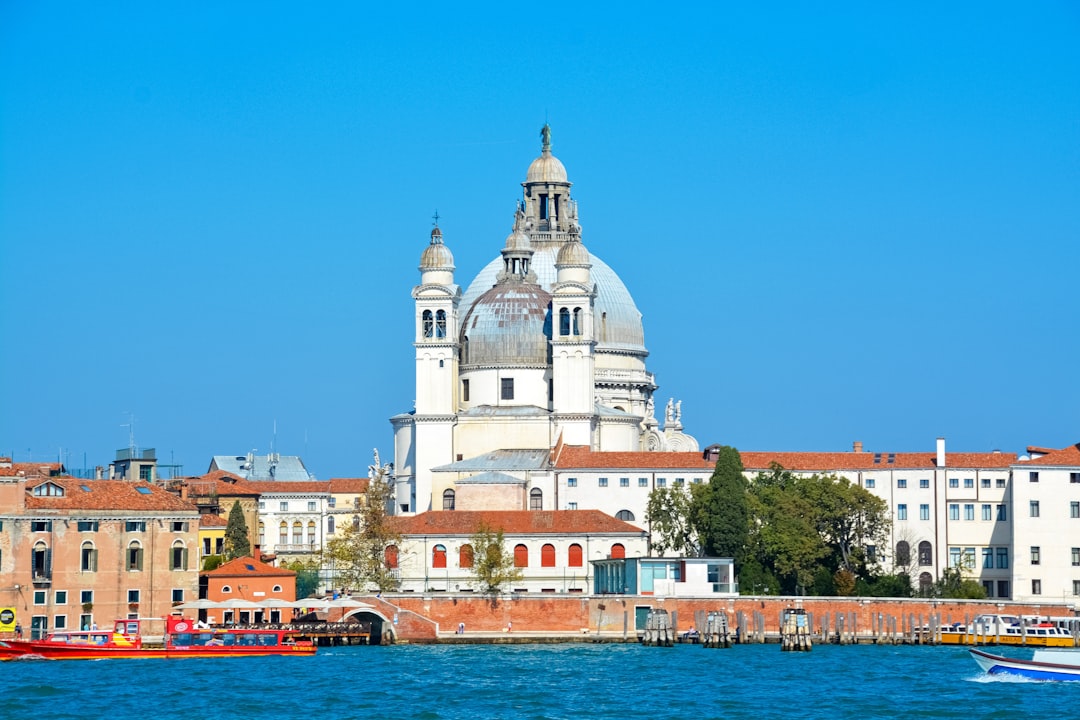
(545, 135)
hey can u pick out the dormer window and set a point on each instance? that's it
(49, 490)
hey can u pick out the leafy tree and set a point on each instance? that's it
(719, 513)
(307, 577)
(492, 564)
(786, 535)
(237, 543)
(668, 514)
(358, 551)
(953, 585)
(212, 562)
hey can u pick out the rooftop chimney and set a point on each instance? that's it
(856, 446)
(941, 452)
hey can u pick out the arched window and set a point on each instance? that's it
(440, 324)
(297, 533)
(536, 499)
(465, 556)
(448, 499)
(178, 556)
(547, 555)
(521, 556)
(391, 556)
(226, 589)
(89, 557)
(903, 553)
(438, 556)
(283, 533)
(134, 556)
(277, 588)
(926, 553)
(564, 321)
(464, 349)
(625, 515)
(429, 326)
(573, 558)
(262, 533)
(577, 321)
(330, 525)
(926, 583)
(618, 551)
(311, 532)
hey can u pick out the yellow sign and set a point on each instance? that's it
(7, 619)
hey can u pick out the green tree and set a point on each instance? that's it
(953, 585)
(307, 577)
(719, 513)
(668, 513)
(237, 543)
(492, 565)
(358, 551)
(786, 538)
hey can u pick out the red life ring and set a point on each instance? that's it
(180, 626)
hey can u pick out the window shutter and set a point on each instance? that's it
(138, 559)
(184, 559)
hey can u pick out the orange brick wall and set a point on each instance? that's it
(572, 614)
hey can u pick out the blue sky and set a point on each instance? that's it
(840, 223)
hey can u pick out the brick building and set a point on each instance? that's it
(75, 552)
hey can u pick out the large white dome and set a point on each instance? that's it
(618, 321)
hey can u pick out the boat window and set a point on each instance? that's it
(268, 639)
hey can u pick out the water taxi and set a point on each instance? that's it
(1006, 630)
(182, 639)
(1061, 665)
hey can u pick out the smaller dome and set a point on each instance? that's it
(573, 253)
(508, 325)
(546, 168)
(436, 256)
(518, 240)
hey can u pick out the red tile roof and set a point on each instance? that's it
(513, 522)
(349, 485)
(580, 457)
(105, 495)
(209, 520)
(31, 469)
(1067, 456)
(247, 567)
(835, 462)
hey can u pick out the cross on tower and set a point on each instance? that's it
(436, 218)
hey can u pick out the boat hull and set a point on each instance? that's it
(1030, 669)
(26, 649)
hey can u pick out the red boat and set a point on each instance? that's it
(182, 639)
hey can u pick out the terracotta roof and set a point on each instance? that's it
(1067, 456)
(31, 469)
(349, 485)
(513, 522)
(246, 567)
(267, 487)
(834, 462)
(580, 457)
(105, 495)
(209, 520)
(1035, 449)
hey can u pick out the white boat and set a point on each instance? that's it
(1044, 665)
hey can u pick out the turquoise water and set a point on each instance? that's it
(578, 682)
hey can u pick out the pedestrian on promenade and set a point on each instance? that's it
(18, 630)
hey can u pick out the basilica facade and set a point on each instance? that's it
(544, 348)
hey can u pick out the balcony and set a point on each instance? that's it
(41, 579)
(297, 548)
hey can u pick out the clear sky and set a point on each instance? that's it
(840, 221)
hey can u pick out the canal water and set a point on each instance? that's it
(574, 681)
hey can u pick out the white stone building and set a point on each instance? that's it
(545, 346)
(552, 549)
(1046, 525)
